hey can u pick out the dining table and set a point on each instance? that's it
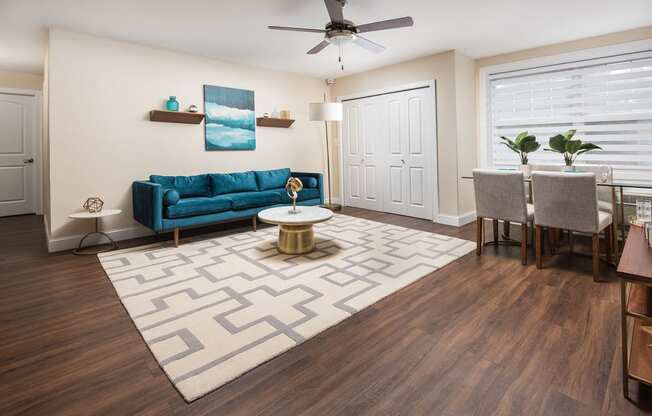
(617, 186)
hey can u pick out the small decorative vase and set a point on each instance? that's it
(172, 104)
(568, 168)
(527, 170)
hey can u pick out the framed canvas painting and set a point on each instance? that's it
(230, 118)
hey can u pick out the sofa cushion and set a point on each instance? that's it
(271, 179)
(187, 186)
(246, 200)
(190, 207)
(304, 195)
(171, 197)
(308, 181)
(228, 183)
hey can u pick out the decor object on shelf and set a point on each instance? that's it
(265, 115)
(569, 148)
(327, 112)
(217, 197)
(81, 249)
(523, 144)
(285, 114)
(93, 204)
(172, 104)
(193, 109)
(274, 122)
(175, 117)
(230, 118)
(274, 286)
(293, 187)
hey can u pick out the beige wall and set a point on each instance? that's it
(46, 141)
(100, 93)
(466, 117)
(442, 68)
(565, 47)
(20, 80)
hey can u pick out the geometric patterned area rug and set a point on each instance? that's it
(217, 307)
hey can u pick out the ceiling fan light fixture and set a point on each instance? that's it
(340, 38)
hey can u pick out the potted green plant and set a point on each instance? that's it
(523, 144)
(569, 148)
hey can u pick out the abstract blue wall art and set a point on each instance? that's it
(230, 118)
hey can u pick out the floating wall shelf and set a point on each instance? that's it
(274, 122)
(175, 117)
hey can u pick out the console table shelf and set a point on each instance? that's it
(635, 271)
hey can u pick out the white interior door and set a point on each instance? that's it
(17, 153)
(389, 151)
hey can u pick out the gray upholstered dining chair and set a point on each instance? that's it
(500, 195)
(569, 201)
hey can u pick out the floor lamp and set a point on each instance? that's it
(327, 112)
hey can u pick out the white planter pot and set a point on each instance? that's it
(526, 169)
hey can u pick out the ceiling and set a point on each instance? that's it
(236, 30)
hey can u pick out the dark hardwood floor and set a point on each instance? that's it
(482, 336)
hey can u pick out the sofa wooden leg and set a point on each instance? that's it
(176, 237)
(539, 246)
(596, 257)
(524, 243)
(478, 235)
(253, 223)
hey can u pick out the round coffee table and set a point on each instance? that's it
(85, 215)
(296, 235)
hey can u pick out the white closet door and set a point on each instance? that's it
(388, 151)
(419, 155)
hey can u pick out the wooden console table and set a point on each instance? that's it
(635, 271)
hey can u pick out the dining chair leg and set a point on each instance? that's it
(478, 235)
(607, 238)
(551, 240)
(495, 224)
(533, 234)
(571, 242)
(539, 246)
(596, 257)
(524, 243)
(506, 228)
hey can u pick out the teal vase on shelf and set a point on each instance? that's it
(172, 104)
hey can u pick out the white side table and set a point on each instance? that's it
(84, 215)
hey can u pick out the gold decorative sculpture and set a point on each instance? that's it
(293, 187)
(93, 204)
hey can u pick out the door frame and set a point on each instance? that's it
(420, 84)
(38, 142)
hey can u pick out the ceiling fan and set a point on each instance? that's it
(340, 31)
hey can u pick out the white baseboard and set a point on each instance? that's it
(455, 221)
(71, 242)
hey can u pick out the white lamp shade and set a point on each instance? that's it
(325, 111)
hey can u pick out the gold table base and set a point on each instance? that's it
(296, 239)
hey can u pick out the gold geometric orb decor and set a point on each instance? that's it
(293, 187)
(93, 204)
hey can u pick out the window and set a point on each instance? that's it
(607, 100)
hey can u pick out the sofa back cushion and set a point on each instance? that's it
(271, 179)
(228, 183)
(186, 186)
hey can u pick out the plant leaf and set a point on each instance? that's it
(569, 134)
(558, 143)
(572, 146)
(589, 146)
(520, 137)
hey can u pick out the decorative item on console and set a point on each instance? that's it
(93, 204)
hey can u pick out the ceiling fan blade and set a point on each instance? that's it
(368, 45)
(386, 24)
(296, 29)
(335, 10)
(324, 43)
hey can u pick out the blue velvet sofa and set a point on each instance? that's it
(171, 203)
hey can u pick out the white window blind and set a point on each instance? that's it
(607, 100)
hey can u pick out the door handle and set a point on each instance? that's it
(403, 161)
(30, 160)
